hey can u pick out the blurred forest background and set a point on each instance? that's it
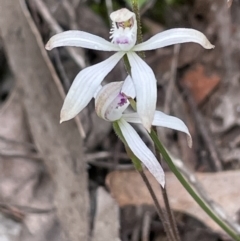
(74, 182)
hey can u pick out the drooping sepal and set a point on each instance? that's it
(141, 151)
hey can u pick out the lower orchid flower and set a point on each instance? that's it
(112, 100)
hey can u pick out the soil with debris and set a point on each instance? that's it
(75, 181)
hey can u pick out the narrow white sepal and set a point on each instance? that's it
(80, 39)
(128, 88)
(162, 120)
(174, 36)
(141, 151)
(146, 89)
(172, 122)
(85, 85)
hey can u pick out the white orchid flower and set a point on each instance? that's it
(110, 103)
(123, 35)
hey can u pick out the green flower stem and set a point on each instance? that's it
(139, 26)
(172, 220)
(190, 190)
(127, 64)
(161, 215)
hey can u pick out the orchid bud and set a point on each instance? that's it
(110, 102)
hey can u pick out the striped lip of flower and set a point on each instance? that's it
(123, 35)
(124, 29)
(111, 102)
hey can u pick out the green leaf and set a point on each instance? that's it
(190, 190)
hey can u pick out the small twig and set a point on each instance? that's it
(71, 14)
(18, 143)
(92, 160)
(146, 226)
(103, 154)
(26, 209)
(18, 212)
(111, 166)
(78, 59)
(54, 26)
(61, 70)
(172, 80)
(22, 156)
(137, 227)
(203, 129)
(158, 207)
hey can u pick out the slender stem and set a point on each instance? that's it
(190, 190)
(139, 26)
(158, 207)
(170, 227)
(127, 64)
(171, 218)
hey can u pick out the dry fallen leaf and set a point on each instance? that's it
(128, 188)
(200, 83)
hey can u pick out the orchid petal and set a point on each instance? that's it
(85, 85)
(174, 36)
(163, 120)
(141, 151)
(146, 90)
(80, 39)
(128, 88)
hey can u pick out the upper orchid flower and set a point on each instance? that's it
(110, 103)
(123, 35)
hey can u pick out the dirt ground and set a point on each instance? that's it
(74, 181)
